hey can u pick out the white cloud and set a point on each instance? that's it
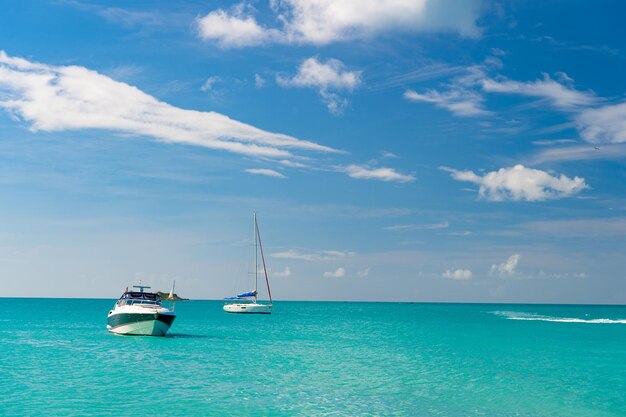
(559, 95)
(521, 183)
(408, 227)
(337, 273)
(322, 22)
(259, 81)
(458, 274)
(324, 77)
(390, 155)
(459, 101)
(605, 124)
(380, 174)
(507, 268)
(363, 273)
(232, 29)
(208, 84)
(265, 171)
(323, 255)
(72, 98)
(283, 274)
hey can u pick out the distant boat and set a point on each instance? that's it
(171, 296)
(140, 313)
(247, 302)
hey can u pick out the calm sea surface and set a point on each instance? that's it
(316, 359)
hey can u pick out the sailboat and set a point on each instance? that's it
(247, 302)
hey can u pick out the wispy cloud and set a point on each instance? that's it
(603, 49)
(380, 174)
(266, 172)
(283, 274)
(427, 72)
(596, 121)
(559, 95)
(337, 273)
(292, 164)
(389, 155)
(318, 256)
(464, 95)
(507, 268)
(210, 82)
(409, 227)
(605, 124)
(458, 274)
(325, 77)
(53, 98)
(125, 73)
(129, 18)
(579, 228)
(461, 95)
(553, 142)
(363, 273)
(322, 22)
(259, 81)
(579, 153)
(521, 183)
(459, 101)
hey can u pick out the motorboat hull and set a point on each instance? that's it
(248, 308)
(140, 324)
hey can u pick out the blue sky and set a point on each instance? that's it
(397, 151)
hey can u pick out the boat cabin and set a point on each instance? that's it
(137, 297)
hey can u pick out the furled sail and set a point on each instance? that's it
(248, 294)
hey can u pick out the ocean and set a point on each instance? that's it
(316, 359)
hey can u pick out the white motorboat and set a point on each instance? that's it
(247, 302)
(140, 313)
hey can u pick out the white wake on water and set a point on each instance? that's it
(516, 315)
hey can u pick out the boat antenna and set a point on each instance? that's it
(267, 281)
(141, 287)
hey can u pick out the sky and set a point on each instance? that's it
(405, 150)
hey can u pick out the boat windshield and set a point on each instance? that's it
(136, 297)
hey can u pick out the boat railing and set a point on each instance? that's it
(146, 303)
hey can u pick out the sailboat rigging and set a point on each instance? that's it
(247, 302)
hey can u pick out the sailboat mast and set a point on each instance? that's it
(256, 262)
(267, 281)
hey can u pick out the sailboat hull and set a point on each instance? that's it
(248, 308)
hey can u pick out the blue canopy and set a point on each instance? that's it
(244, 295)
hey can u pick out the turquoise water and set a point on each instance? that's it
(316, 359)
